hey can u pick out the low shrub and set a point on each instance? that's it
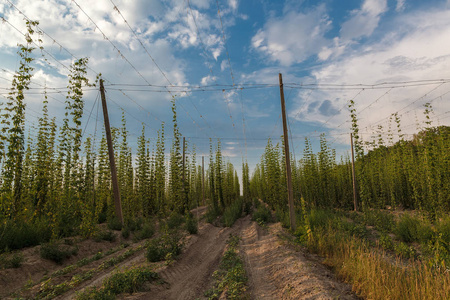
(17, 235)
(146, 232)
(212, 213)
(11, 261)
(232, 213)
(114, 224)
(129, 281)
(191, 225)
(410, 229)
(159, 248)
(262, 215)
(382, 221)
(105, 235)
(386, 242)
(175, 220)
(56, 252)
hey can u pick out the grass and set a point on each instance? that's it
(104, 235)
(17, 235)
(11, 261)
(48, 290)
(230, 278)
(373, 273)
(129, 281)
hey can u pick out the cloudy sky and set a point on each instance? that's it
(221, 59)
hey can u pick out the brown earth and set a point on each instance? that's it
(276, 269)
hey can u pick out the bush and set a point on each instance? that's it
(404, 251)
(381, 220)
(134, 224)
(386, 242)
(56, 253)
(410, 229)
(17, 235)
(191, 224)
(262, 215)
(175, 220)
(232, 213)
(159, 248)
(147, 231)
(443, 229)
(105, 235)
(212, 214)
(114, 224)
(129, 281)
(126, 233)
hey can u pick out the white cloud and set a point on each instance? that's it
(294, 37)
(400, 5)
(423, 53)
(233, 4)
(364, 21)
(208, 79)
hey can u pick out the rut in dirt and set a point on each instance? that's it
(191, 275)
(276, 271)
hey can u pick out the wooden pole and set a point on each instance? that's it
(112, 163)
(355, 199)
(203, 180)
(287, 155)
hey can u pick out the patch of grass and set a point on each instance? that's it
(262, 215)
(129, 281)
(232, 213)
(56, 252)
(11, 261)
(159, 248)
(105, 235)
(230, 277)
(410, 229)
(382, 221)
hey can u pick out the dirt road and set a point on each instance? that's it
(275, 269)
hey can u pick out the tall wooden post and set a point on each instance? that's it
(203, 180)
(288, 159)
(112, 163)
(355, 198)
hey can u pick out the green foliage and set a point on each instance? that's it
(383, 221)
(129, 281)
(212, 213)
(105, 235)
(410, 229)
(114, 224)
(11, 261)
(386, 242)
(170, 243)
(146, 232)
(230, 277)
(191, 224)
(16, 235)
(175, 220)
(56, 252)
(262, 215)
(232, 213)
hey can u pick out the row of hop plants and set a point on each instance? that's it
(57, 183)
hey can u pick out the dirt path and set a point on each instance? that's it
(191, 275)
(276, 271)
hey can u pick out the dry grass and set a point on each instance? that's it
(374, 275)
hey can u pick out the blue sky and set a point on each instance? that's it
(320, 47)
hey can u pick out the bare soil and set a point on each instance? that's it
(276, 269)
